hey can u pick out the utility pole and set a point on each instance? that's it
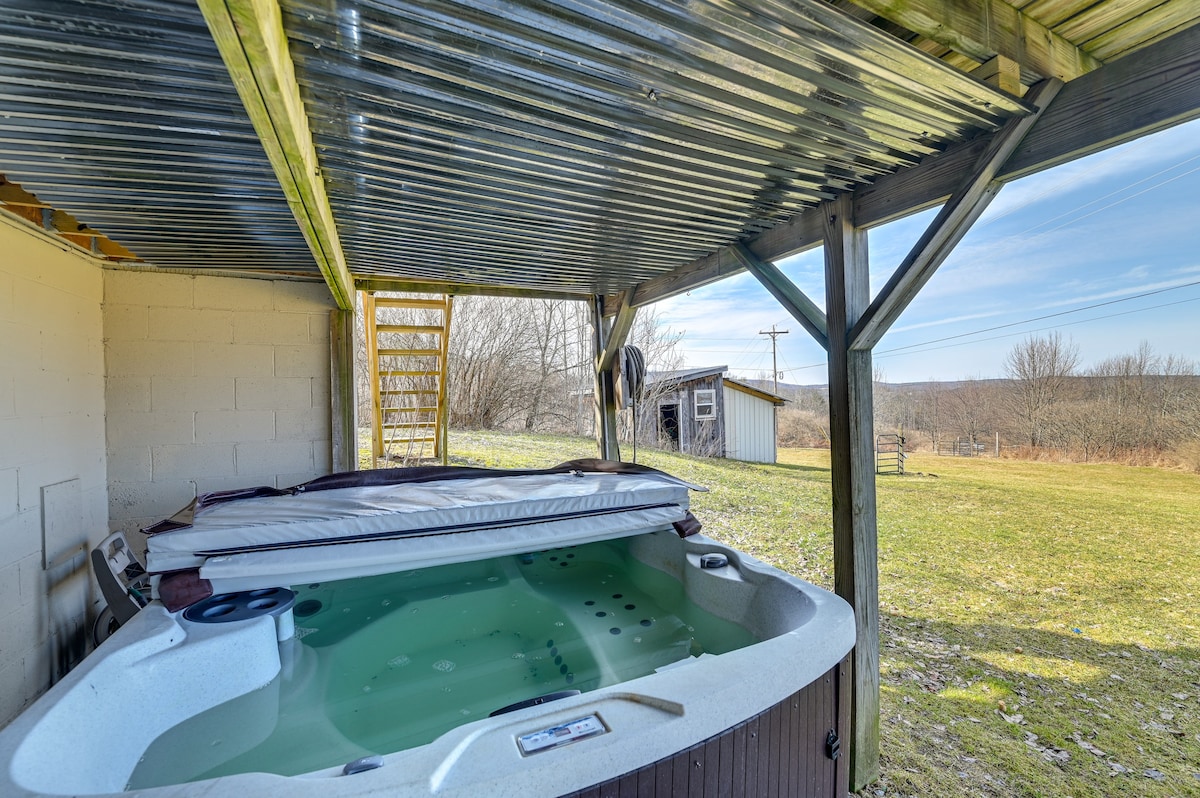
(774, 361)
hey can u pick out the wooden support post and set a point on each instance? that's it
(605, 392)
(795, 301)
(344, 429)
(852, 466)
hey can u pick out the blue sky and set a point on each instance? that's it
(1083, 240)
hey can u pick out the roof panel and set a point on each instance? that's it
(585, 146)
(121, 113)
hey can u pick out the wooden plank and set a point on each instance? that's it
(369, 320)
(250, 37)
(618, 334)
(462, 289)
(794, 301)
(343, 403)
(410, 303)
(410, 329)
(852, 475)
(410, 352)
(983, 29)
(949, 226)
(603, 388)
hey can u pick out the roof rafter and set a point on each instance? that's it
(250, 36)
(983, 30)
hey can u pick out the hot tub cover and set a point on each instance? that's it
(373, 522)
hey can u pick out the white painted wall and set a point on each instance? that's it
(749, 427)
(51, 444)
(213, 383)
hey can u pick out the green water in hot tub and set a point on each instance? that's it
(386, 663)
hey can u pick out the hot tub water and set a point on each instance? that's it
(382, 664)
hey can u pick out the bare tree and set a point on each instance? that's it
(1039, 370)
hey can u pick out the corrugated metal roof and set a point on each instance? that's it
(555, 145)
(585, 146)
(121, 113)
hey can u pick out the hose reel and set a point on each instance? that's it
(629, 382)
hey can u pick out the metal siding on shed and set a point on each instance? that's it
(749, 427)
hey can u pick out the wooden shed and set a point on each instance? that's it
(194, 191)
(704, 412)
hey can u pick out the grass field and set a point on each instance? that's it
(1040, 623)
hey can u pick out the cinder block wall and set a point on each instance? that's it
(53, 499)
(212, 383)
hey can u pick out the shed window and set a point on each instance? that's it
(706, 404)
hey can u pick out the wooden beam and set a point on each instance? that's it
(795, 301)
(952, 222)
(1153, 89)
(618, 333)
(852, 475)
(983, 29)
(250, 37)
(343, 405)
(604, 388)
(391, 285)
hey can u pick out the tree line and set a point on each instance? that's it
(526, 365)
(1140, 407)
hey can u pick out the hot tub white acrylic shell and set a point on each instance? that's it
(85, 736)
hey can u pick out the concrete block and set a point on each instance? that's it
(302, 361)
(31, 578)
(275, 457)
(127, 394)
(126, 322)
(234, 426)
(281, 393)
(270, 328)
(147, 288)
(20, 629)
(42, 393)
(6, 293)
(323, 456)
(39, 669)
(77, 351)
(20, 441)
(129, 464)
(308, 296)
(148, 500)
(149, 429)
(9, 492)
(233, 360)
(10, 585)
(22, 534)
(233, 293)
(8, 394)
(236, 482)
(302, 425)
(174, 394)
(148, 358)
(191, 461)
(191, 324)
(318, 328)
(12, 689)
(299, 477)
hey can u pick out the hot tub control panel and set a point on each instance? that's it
(563, 734)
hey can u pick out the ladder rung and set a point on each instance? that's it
(410, 425)
(422, 329)
(401, 302)
(409, 352)
(402, 439)
(433, 373)
(410, 392)
(408, 409)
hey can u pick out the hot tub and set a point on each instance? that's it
(577, 602)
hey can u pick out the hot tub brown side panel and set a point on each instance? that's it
(779, 753)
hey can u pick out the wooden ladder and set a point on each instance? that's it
(407, 340)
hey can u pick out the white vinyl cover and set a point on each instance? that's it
(360, 531)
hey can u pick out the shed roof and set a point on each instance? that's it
(545, 147)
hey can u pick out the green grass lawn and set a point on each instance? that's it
(1040, 622)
